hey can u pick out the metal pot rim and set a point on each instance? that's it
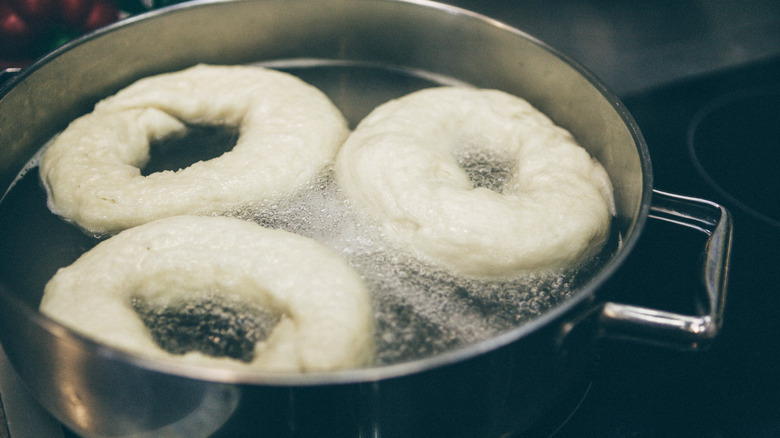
(583, 296)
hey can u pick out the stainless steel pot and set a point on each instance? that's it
(492, 388)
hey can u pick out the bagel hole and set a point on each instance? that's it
(210, 326)
(199, 143)
(486, 168)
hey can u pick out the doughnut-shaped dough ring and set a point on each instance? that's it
(400, 165)
(326, 314)
(288, 131)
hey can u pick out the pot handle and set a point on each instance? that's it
(672, 329)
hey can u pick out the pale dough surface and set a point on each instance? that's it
(288, 132)
(327, 317)
(400, 166)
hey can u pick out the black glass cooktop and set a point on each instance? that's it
(714, 137)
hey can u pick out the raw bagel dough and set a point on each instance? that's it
(400, 165)
(326, 314)
(288, 131)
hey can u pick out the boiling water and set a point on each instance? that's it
(486, 168)
(420, 310)
(212, 326)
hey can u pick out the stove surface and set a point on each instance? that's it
(733, 388)
(634, 46)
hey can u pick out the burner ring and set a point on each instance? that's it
(734, 143)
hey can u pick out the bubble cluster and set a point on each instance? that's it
(420, 310)
(210, 325)
(486, 168)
